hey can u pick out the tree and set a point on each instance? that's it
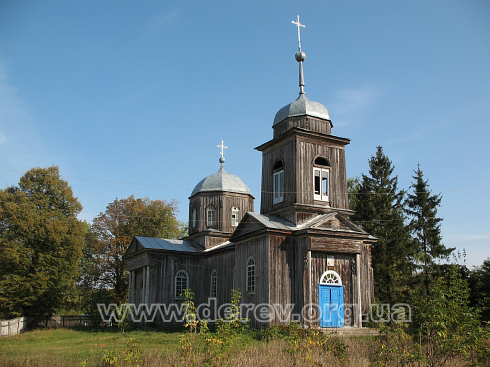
(479, 279)
(379, 211)
(41, 243)
(447, 326)
(425, 227)
(114, 230)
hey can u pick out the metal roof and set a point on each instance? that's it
(168, 245)
(302, 106)
(222, 181)
(271, 221)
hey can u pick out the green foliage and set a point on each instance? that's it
(41, 243)
(112, 232)
(130, 356)
(447, 325)
(379, 211)
(479, 280)
(425, 227)
(396, 347)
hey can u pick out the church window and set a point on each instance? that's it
(234, 216)
(211, 217)
(194, 218)
(181, 283)
(321, 179)
(214, 284)
(250, 275)
(278, 183)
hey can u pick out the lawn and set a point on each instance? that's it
(67, 347)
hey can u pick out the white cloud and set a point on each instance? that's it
(348, 104)
(159, 21)
(24, 148)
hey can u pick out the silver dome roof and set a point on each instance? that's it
(302, 106)
(222, 181)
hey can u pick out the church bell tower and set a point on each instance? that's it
(303, 166)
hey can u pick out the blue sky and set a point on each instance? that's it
(132, 97)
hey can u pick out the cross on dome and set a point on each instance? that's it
(222, 146)
(299, 25)
(300, 57)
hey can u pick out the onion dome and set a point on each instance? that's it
(221, 181)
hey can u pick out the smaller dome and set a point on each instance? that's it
(302, 106)
(222, 181)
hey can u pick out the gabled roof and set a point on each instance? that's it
(331, 222)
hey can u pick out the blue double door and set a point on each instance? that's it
(331, 303)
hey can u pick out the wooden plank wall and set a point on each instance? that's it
(308, 149)
(258, 249)
(286, 153)
(309, 123)
(367, 279)
(223, 203)
(298, 156)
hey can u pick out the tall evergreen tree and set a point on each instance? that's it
(425, 227)
(379, 211)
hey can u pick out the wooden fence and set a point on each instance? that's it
(21, 324)
(13, 327)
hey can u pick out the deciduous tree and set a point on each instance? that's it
(114, 229)
(41, 243)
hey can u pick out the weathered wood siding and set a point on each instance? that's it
(286, 153)
(286, 264)
(305, 122)
(164, 267)
(258, 248)
(223, 202)
(308, 149)
(298, 154)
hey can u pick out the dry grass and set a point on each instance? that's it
(69, 348)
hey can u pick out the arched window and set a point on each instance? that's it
(278, 182)
(214, 284)
(330, 277)
(181, 283)
(194, 218)
(235, 213)
(250, 274)
(321, 172)
(211, 217)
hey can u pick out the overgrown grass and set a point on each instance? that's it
(271, 347)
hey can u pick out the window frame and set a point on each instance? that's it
(278, 182)
(321, 179)
(235, 214)
(209, 224)
(213, 290)
(181, 274)
(194, 218)
(250, 275)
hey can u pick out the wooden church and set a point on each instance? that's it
(301, 255)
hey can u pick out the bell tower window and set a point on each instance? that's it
(211, 217)
(234, 216)
(194, 218)
(278, 183)
(321, 172)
